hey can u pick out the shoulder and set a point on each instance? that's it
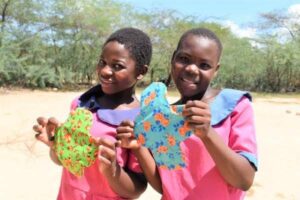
(226, 102)
(74, 103)
(232, 95)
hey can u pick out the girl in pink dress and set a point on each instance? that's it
(124, 60)
(221, 154)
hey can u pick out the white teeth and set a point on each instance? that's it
(105, 81)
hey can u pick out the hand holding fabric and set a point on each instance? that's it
(197, 115)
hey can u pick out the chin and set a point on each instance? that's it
(187, 94)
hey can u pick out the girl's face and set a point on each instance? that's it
(194, 65)
(117, 69)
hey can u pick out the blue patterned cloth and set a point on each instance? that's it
(161, 127)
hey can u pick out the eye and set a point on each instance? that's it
(101, 63)
(117, 67)
(204, 66)
(183, 59)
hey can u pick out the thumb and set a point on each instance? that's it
(97, 141)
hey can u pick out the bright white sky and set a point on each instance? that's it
(237, 14)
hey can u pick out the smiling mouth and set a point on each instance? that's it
(106, 82)
(188, 81)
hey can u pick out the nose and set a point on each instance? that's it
(105, 71)
(192, 68)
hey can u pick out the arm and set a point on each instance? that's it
(145, 159)
(123, 181)
(149, 168)
(234, 168)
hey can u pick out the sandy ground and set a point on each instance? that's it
(26, 172)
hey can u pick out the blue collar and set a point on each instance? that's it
(224, 104)
(109, 116)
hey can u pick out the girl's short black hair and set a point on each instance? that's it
(202, 32)
(136, 41)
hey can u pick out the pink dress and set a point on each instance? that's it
(232, 119)
(93, 185)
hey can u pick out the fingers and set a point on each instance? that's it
(195, 119)
(198, 116)
(106, 154)
(127, 123)
(105, 142)
(125, 134)
(197, 108)
(41, 135)
(51, 127)
(121, 136)
(126, 140)
(42, 121)
(45, 129)
(197, 103)
(124, 130)
(107, 148)
(196, 126)
(126, 137)
(53, 121)
(38, 129)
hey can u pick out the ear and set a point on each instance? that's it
(142, 71)
(217, 70)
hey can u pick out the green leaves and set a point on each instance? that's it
(54, 43)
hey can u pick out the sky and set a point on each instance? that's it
(236, 14)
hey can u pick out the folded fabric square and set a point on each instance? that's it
(161, 127)
(73, 143)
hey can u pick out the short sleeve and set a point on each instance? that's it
(242, 137)
(74, 104)
(133, 163)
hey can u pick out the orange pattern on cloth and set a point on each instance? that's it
(161, 127)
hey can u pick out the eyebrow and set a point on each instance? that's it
(114, 60)
(188, 55)
(182, 53)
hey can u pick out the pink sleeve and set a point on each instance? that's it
(133, 163)
(74, 104)
(242, 137)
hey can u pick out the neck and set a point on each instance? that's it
(123, 99)
(207, 96)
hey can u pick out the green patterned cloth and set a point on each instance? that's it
(74, 145)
